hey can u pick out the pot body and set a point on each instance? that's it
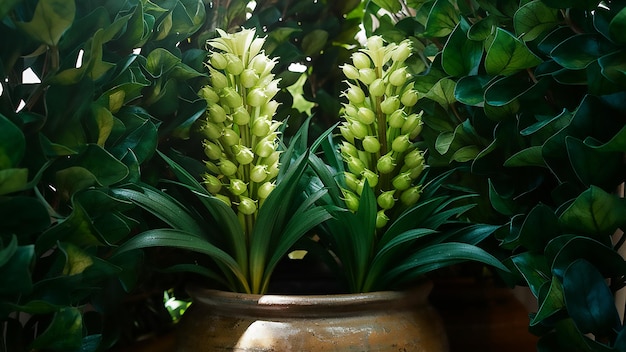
(379, 321)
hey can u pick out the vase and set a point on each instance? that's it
(378, 321)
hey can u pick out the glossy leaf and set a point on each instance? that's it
(551, 304)
(442, 19)
(617, 27)
(589, 300)
(50, 20)
(539, 227)
(64, 332)
(580, 50)
(13, 144)
(586, 162)
(528, 157)
(597, 252)
(506, 89)
(595, 212)
(613, 66)
(470, 90)
(534, 268)
(533, 19)
(442, 92)
(461, 56)
(483, 28)
(507, 55)
(392, 6)
(174, 238)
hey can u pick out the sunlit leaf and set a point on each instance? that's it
(50, 20)
(533, 19)
(507, 55)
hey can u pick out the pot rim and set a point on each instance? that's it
(309, 305)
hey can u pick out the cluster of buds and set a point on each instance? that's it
(379, 128)
(241, 135)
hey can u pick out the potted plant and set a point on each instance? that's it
(255, 204)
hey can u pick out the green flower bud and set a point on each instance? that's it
(217, 113)
(256, 46)
(271, 159)
(261, 126)
(344, 129)
(401, 143)
(390, 104)
(372, 177)
(271, 89)
(227, 167)
(417, 171)
(366, 116)
(385, 200)
(212, 183)
(381, 219)
(249, 78)
(377, 88)
(402, 52)
(371, 144)
(397, 119)
(212, 150)
(241, 116)
(237, 186)
(229, 137)
(246, 205)
(223, 198)
(412, 122)
(355, 165)
(207, 93)
(367, 75)
(398, 77)
(218, 60)
(269, 109)
(416, 131)
(272, 171)
(348, 149)
(386, 163)
(265, 189)
(359, 187)
(355, 94)
(212, 167)
(350, 110)
(351, 180)
(361, 60)
(350, 71)
(218, 79)
(264, 148)
(256, 97)
(358, 129)
(231, 98)
(211, 130)
(351, 199)
(259, 173)
(234, 66)
(409, 97)
(414, 158)
(243, 154)
(402, 181)
(374, 42)
(259, 64)
(411, 195)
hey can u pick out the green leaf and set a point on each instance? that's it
(13, 144)
(617, 27)
(442, 92)
(315, 41)
(77, 228)
(64, 333)
(613, 66)
(470, 90)
(539, 227)
(599, 252)
(577, 4)
(507, 55)
(13, 180)
(502, 203)
(594, 167)
(442, 19)
(580, 50)
(50, 20)
(507, 89)
(72, 180)
(483, 28)
(104, 166)
(551, 304)
(527, 157)
(184, 240)
(595, 212)
(534, 268)
(392, 6)
(533, 19)
(466, 153)
(160, 61)
(15, 275)
(7, 6)
(461, 56)
(439, 256)
(589, 300)
(8, 250)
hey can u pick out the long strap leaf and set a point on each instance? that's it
(175, 238)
